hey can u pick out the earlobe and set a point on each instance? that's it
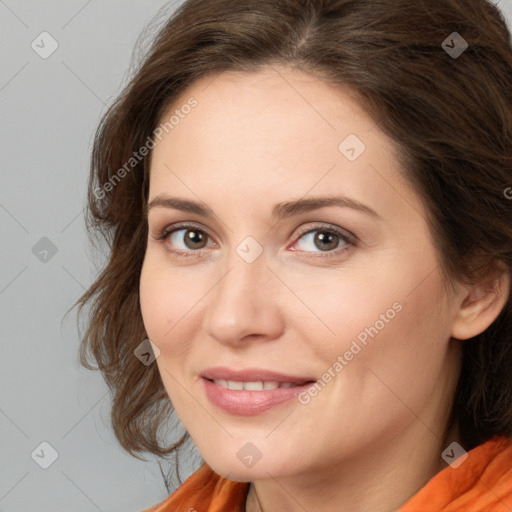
(480, 305)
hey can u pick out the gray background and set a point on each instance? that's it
(50, 108)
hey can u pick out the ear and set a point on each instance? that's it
(480, 305)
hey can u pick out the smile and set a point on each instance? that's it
(248, 398)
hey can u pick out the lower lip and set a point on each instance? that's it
(248, 403)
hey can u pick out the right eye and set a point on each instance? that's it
(183, 239)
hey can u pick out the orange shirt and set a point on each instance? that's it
(482, 483)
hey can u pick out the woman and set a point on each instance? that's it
(308, 214)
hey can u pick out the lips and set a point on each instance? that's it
(251, 391)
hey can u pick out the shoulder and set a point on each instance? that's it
(481, 482)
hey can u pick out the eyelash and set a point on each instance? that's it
(348, 239)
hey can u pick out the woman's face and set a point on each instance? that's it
(277, 279)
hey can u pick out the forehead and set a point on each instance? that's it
(273, 98)
(274, 134)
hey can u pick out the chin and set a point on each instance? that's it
(239, 472)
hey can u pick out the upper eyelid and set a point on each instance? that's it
(327, 227)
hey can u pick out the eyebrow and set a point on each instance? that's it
(279, 211)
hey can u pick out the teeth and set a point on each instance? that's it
(253, 386)
(235, 385)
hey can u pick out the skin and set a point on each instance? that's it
(374, 434)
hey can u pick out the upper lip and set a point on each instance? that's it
(251, 375)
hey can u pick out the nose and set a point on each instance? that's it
(243, 304)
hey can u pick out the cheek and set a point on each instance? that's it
(346, 307)
(152, 299)
(402, 360)
(166, 301)
(167, 309)
(391, 327)
(375, 369)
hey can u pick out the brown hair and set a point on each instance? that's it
(451, 118)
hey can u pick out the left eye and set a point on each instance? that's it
(324, 240)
